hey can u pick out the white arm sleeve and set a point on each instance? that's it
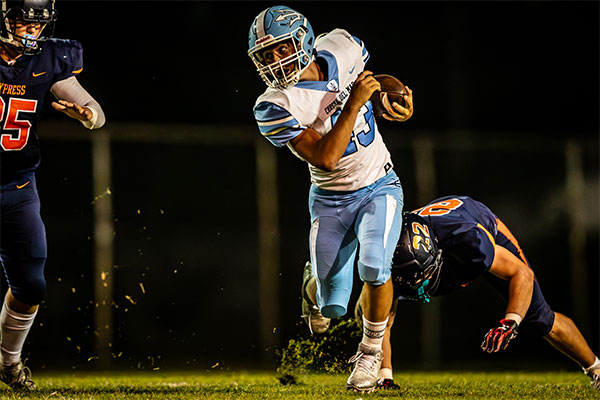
(71, 90)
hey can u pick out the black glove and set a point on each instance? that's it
(499, 338)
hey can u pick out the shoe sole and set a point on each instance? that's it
(361, 390)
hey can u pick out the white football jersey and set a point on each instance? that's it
(282, 114)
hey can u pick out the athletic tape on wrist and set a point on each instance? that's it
(515, 317)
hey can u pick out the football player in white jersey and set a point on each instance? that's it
(317, 104)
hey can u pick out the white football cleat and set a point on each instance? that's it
(367, 362)
(311, 313)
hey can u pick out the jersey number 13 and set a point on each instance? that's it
(366, 136)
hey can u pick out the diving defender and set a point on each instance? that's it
(31, 64)
(455, 239)
(317, 104)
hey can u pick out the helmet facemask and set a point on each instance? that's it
(273, 27)
(415, 283)
(280, 74)
(26, 44)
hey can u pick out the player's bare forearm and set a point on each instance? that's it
(508, 266)
(520, 290)
(325, 152)
(330, 148)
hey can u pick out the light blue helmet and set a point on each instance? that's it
(276, 25)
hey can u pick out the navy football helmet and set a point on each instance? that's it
(417, 260)
(276, 25)
(36, 11)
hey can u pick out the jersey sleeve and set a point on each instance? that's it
(276, 123)
(69, 56)
(365, 53)
(474, 247)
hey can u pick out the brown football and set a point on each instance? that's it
(395, 93)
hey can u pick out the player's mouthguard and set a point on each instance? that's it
(29, 40)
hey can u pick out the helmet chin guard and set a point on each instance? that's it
(28, 11)
(417, 260)
(277, 25)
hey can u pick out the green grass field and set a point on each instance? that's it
(255, 385)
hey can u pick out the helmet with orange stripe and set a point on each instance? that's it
(40, 15)
(417, 260)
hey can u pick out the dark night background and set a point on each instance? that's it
(499, 87)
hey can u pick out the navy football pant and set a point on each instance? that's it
(23, 240)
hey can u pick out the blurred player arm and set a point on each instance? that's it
(395, 112)
(325, 152)
(77, 103)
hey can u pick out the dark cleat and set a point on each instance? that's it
(18, 377)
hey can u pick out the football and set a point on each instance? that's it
(392, 90)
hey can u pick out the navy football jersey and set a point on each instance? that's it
(467, 232)
(23, 89)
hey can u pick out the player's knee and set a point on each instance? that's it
(333, 311)
(544, 324)
(372, 272)
(561, 325)
(39, 250)
(31, 291)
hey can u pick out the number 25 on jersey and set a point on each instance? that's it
(18, 129)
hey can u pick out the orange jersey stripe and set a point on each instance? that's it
(487, 233)
(506, 232)
(78, 71)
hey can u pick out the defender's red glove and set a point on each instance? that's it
(499, 338)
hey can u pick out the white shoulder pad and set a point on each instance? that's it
(339, 41)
